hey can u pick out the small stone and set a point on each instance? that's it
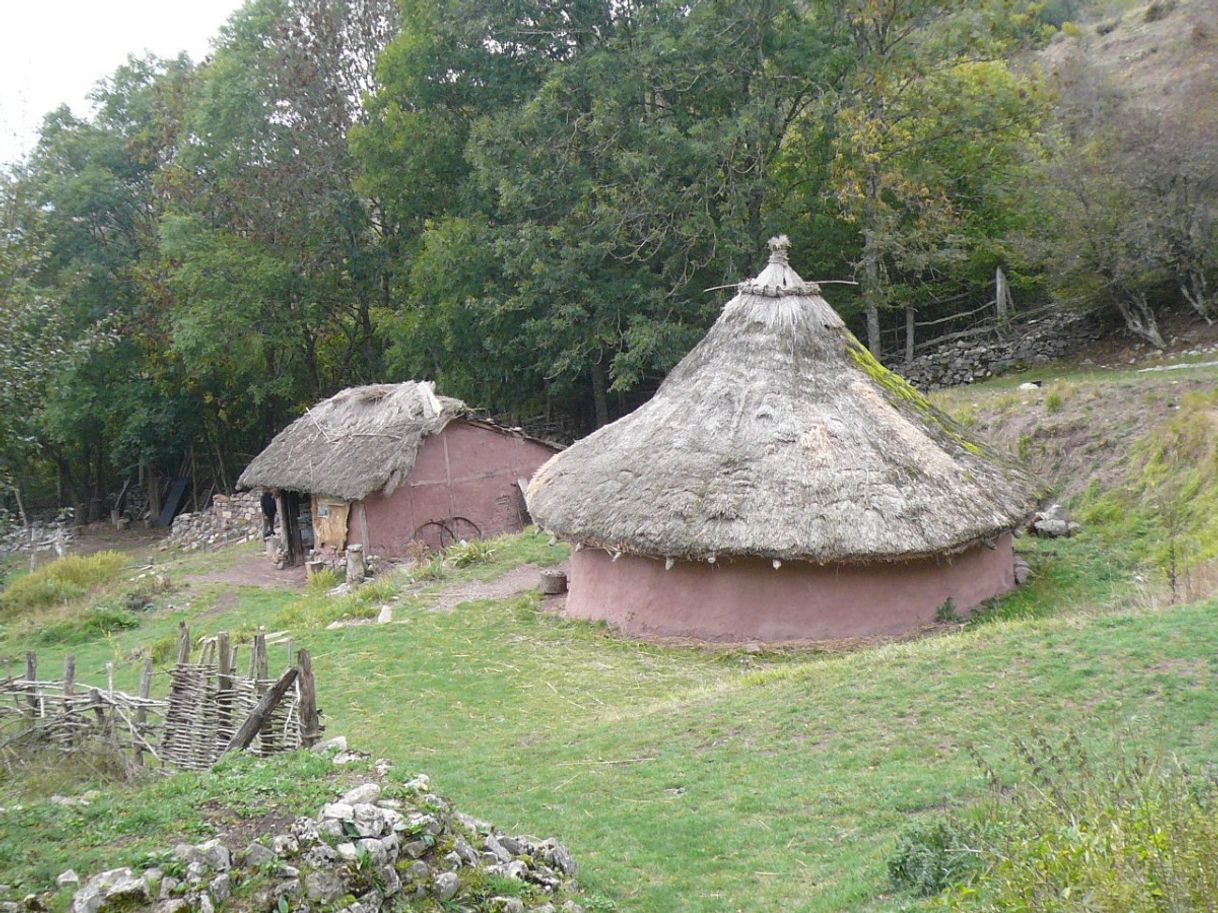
(374, 849)
(507, 904)
(168, 883)
(557, 855)
(68, 879)
(257, 854)
(323, 887)
(215, 854)
(205, 905)
(346, 852)
(445, 886)
(331, 828)
(338, 743)
(391, 880)
(420, 783)
(415, 848)
(369, 820)
(319, 857)
(362, 794)
(516, 870)
(306, 831)
(418, 871)
(511, 844)
(463, 849)
(284, 845)
(337, 811)
(221, 887)
(496, 849)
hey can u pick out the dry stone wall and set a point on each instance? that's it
(964, 361)
(230, 518)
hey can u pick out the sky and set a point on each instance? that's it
(53, 51)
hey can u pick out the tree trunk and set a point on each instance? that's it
(910, 314)
(1196, 293)
(599, 398)
(1139, 317)
(871, 301)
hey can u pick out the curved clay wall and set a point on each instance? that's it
(747, 599)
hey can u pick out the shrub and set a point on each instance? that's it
(1134, 836)
(476, 551)
(99, 621)
(1054, 402)
(324, 580)
(934, 855)
(61, 581)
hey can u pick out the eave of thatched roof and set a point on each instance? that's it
(359, 441)
(780, 436)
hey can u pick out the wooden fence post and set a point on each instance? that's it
(31, 676)
(183, 643)
(141, 714)
(310, 719)
(224, 681)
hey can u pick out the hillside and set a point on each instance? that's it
(691, 780)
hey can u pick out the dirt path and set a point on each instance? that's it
(517, 580)
(253, 570)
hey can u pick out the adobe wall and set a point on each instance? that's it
(468, 471)
(748, 600)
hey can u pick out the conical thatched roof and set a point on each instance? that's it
(780, 436)
(361, 440)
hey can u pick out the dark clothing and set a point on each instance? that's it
(269, 509)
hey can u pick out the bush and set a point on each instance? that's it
(931, 856)
(100, 621)
(61, 581)
(323, 581)
(1134, 836)
(476, 551)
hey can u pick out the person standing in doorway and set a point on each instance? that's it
(269, 509)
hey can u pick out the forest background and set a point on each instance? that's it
(538, 204)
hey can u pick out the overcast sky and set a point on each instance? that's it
(53, 51)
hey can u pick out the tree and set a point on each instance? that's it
(926, 79)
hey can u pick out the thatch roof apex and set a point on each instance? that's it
(779, 435)
(359, 441)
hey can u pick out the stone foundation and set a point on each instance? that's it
(230, 518)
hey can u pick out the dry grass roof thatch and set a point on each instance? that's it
(779, 435)
(359, 441)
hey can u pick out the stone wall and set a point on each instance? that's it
(964, 361)
(230, 518)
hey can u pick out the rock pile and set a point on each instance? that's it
(41, 535)
(370, 849)
(1052, 523)
(964, 361)
(230, 518)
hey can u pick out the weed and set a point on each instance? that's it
(931, 856)
(476, 551)
(99, 621)
(323, 581)
(1054, 402)
(1133, 835)
(61, 581)
(947, 612)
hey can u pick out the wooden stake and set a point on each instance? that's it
(183, 643)
(31, 676)
(261, 713)
(310, 719)
(141, 715)
(224, 680)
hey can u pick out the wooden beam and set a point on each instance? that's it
(260, 714)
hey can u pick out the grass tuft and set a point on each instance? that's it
(61, 581)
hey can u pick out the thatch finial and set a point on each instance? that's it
(780, 248)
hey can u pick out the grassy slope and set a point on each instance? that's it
(693, 781)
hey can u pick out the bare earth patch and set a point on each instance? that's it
(253, 570)
(517, 580)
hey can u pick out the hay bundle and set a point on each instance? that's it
(780, 436)
(359, 441)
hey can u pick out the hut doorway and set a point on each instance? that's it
(288, 503)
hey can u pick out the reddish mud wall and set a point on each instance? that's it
(464, 481)
(748, 600)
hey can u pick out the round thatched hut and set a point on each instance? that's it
(781, 485)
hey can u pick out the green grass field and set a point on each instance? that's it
(682, 779)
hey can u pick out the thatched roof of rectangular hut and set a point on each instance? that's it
(359, 441)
